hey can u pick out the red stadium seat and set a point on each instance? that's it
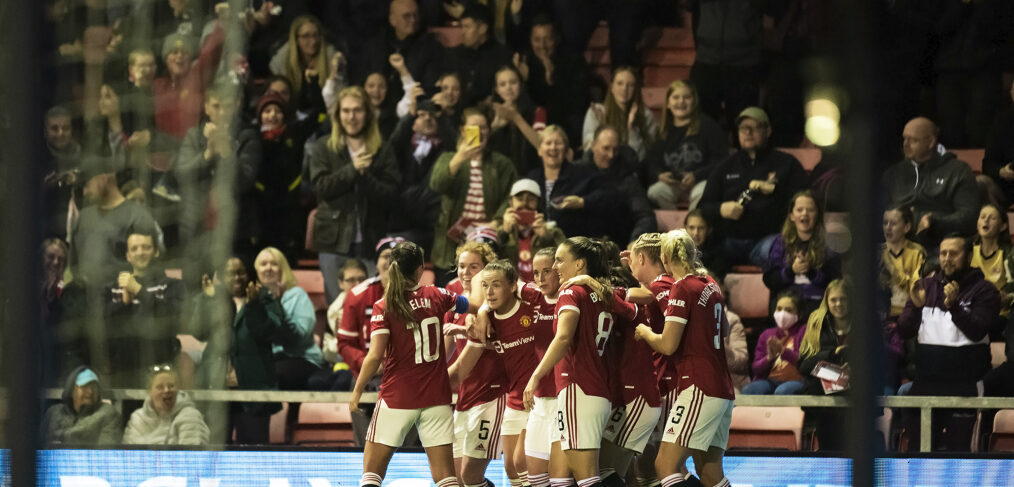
(670, 219)
(766, 427)
(747, 295)
(808, 157)
(323, 424)
(278, 430)
(972, 157)
(1002, 438)
(312, 281)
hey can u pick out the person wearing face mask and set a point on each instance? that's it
(143, 307)
(777, 352)
(523, 230)
(800, 260)
(951, 312)
(168, 417)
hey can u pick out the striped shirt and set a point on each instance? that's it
(474, 207)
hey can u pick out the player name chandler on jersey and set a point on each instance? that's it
(697, 302)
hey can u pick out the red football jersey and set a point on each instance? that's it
(545, 315)
(455, 286)
(700, 359)
(634, 371)
(583, 363)
(665, 369)
(415, 368)
(513, 336)
(354, 327)
(486, 381)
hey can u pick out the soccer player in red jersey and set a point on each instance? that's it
(482, 394)
(406, 334)
(354, 327)
(583, 325)
(695, 325)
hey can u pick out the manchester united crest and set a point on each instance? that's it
(526, 321)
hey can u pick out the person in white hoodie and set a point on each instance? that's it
(168, 416)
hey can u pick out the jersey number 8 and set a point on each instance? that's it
(605, 326)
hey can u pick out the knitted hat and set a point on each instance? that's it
(274, 97)
(176, 41)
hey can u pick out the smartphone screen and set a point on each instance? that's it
(472, 135)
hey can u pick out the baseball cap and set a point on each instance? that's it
(86, 376)
(755, 113)
(523, 185)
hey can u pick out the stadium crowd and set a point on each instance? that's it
(198, 152)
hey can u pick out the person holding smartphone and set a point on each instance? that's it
(523, 230)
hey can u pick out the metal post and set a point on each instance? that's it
(925, 429)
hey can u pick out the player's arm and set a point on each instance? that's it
(666, 342)
(566, 326)
(465, 363)
(378, 345)
(640, 295)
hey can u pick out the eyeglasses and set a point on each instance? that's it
(749, 129)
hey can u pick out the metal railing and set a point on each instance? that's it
(926, 404)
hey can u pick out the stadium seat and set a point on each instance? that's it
(747, 295)
(1002, 438)
(808, 157)
(972, 157)
(998, 353)
(670, 219)
(278, 430)
(766, 427)
(323, 424)
(312, 281)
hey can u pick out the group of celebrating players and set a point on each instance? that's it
(568, 376)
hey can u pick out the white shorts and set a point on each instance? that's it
(389, 426)
(541, 429)
(631, 425)
(477, 430)
(580, 418)
(514, 422)
(699, 422)
(667, 401)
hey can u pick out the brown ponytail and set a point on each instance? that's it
(406, 259)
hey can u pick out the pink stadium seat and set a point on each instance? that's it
(312, 281)
(278, 429)
(427, 277)
(972, 157)
(748, 296)
(670, 219)
(808, 157)
(766, 427)
(998, 354)
(323, 424)
(1002, 438)
(654, 97)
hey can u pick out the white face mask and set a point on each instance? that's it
(785, 319)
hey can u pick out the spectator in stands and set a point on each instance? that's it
(403, 34)
(998, 161)
(707, 243)
(617, 166)
(141, 70)
(623, 110)
(352, 273)
(951, 313)
(523, 230)
(62, 308)
(281, 210)
(826, 340)
(777, 352)
(418, 140)
(556, 79)
(689, 146)
(938, 187)
(142, 314)
(81, 418)
(479, 55)
(992, 255)
(579, 19)
(748, 193)
(217, 168)
(168, 417)
(178, 95)
(901, 259)
(516, 121)
(305, 59)
(474, 183)
(448, 96)
(297, 356)
(727, 61)
(575, 197)
(62, 166)
(99, 236)
(382, 105)
(800, 259)
(355, 178)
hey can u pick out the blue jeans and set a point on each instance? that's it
(768, 386)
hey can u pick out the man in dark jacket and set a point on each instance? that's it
(950, 313)
(617, 165)
(423, 54)
(747, 195)
(478, 57)
(938, 187)
(81, 418)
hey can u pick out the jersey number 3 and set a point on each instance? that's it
(427, 347)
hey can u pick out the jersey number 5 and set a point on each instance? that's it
(427, 348)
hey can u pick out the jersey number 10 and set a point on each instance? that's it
(425, 351)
